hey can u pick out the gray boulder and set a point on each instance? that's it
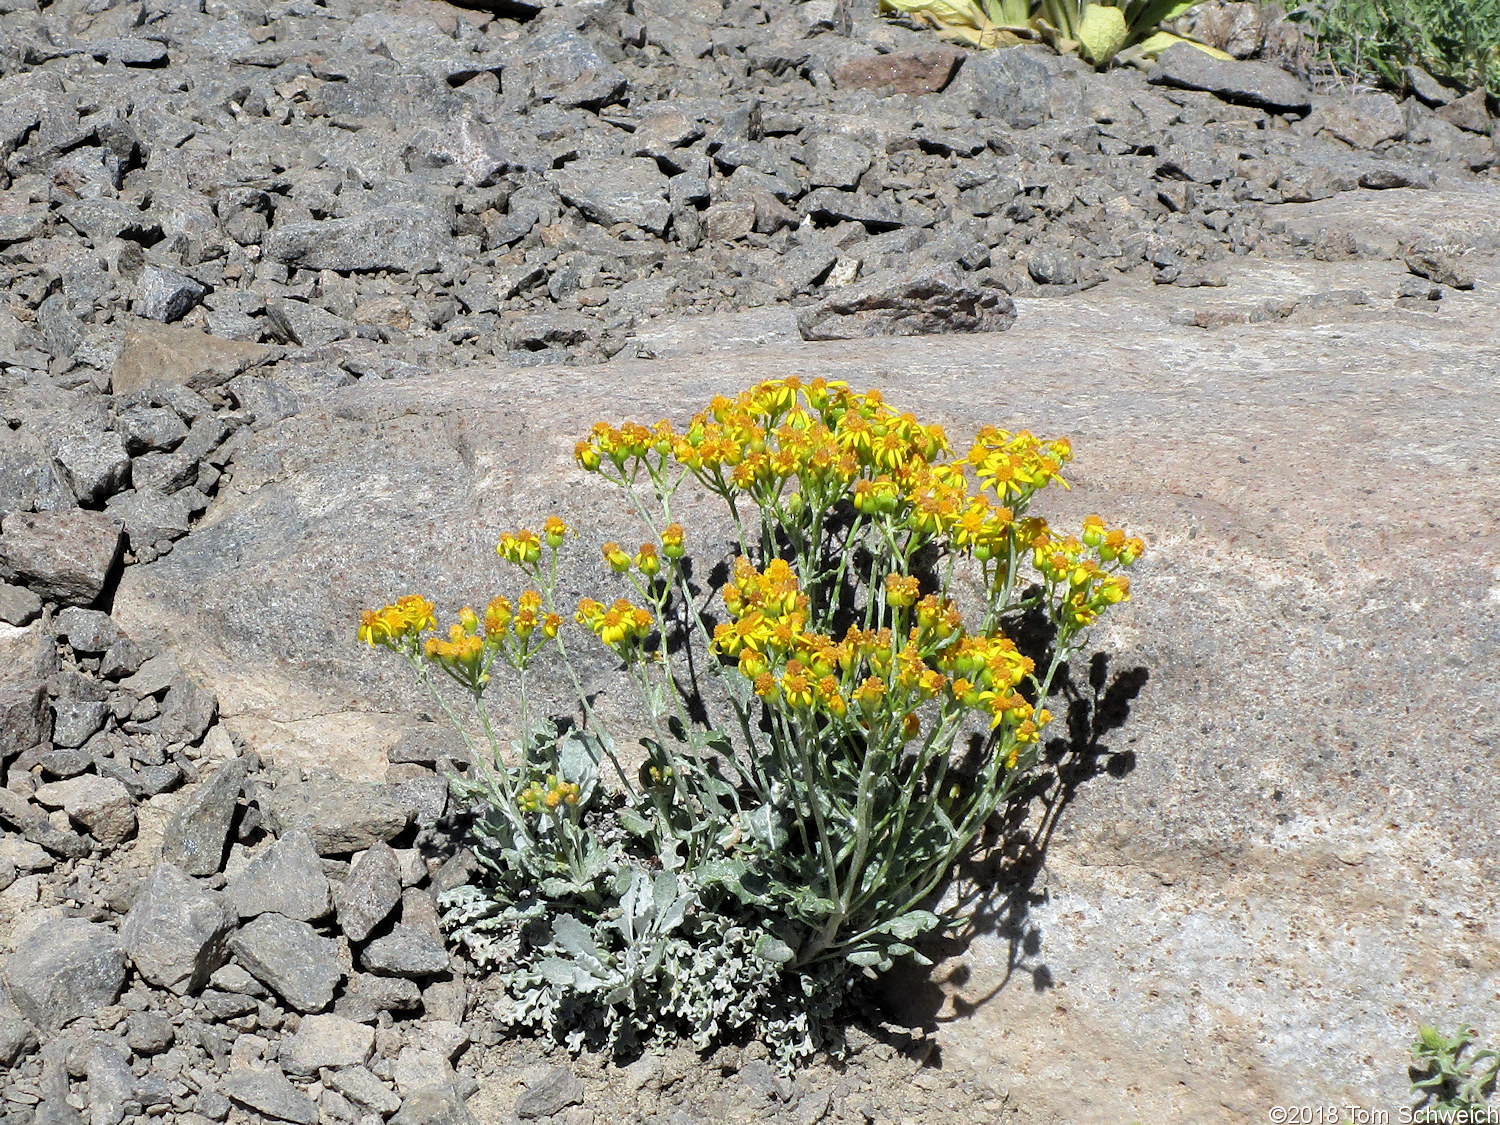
(25, 717)
(95, 465)
(87, 631)
(620, 189)
(66, 557)
(18, 605)
(326, 1041)
(900, 303)
(65, 969)
(566, 69)
(397, 236)
(176, 933)
(1020, 86)
(187, 711)
(164, 296)
(290, 958)
(339, 816)
(550, 1093)
(1244, 83)
(372, 890)
(195, 837)
(286, 879)
(406, 951)
(101, 805)
(434, 1105)
(268, 1092)
(112, 1084)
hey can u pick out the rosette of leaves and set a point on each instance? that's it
(1100, 31)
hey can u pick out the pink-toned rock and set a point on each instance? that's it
(64, 557)
(924, 71)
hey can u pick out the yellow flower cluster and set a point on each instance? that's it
(815, 443)
(1087, 587)
(524, 547)
(548, 794)
(878, 673)
(622, 626)
(392, 625)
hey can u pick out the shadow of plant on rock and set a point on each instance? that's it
(997, 887)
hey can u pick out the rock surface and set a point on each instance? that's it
(1162, 413)
(64, 970)
(175, 933)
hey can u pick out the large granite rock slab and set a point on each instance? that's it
(1278, 851)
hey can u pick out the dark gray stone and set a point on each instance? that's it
(87, 631)
(17, 1038)
(151, 517)
(29, 479)
(290, 959)
(566, 69)
(75, 721)
(112, 1084)
(1049, 266)
(149, 1033)
(1470, 112)
(876, 212)
(64, 970)
(164, 296)
(187, 712)
(268, 1092)
(836, 161)
(339, 816)
(1244, 83)
(406, 952)
(360, 1086)
(1021, 86)
(622, 189)
(176, 932)
(1442, 266)
(286, 879)
(550, 1093)
(308, 326)
(195, 837)
(148, 428)
(18, 605)
(95, 465)
(398, 236)
(898, 303)
(66, 557)
(25, 717)
(370, 893)
(436, 1105)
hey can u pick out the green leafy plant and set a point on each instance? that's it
(1100, 31)
(1456, 40)
(1445, 1079)
(835, 714)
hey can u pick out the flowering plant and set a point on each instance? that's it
(833, 721)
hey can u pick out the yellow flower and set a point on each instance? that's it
(671, 541)
(617, 559)
(519, 547)
(554, 531)
(647, 561)
(901, 590)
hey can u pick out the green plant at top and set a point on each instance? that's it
(817, 760)
(1100, 31)
(1446, 1080)
(1456, 40)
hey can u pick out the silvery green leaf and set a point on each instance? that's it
(773, 949)
(574, 937)
(865, 958)
(633, 822)
(909, 925)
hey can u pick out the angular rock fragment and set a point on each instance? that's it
(101, 805)
(398, 236)
(161, 354)
(95, 465)
(66, 557)
(406, 952)
(25, 717)
(550, 1093)
(187, 712)
(290, 959)
(18, 605)
(65, 969)
(176, 933)
(87, 631)
(898, 303)
(370, 893)
(195, 837)
(339, 816)
(1245, 83)
(327, 1041)
(268, 1092)
(164, 296)
(286, 879)
(613, 190)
